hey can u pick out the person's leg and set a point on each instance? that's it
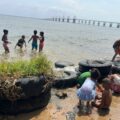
(89, 108)
(6, 48)
(88, 104)
(33, 46)
(40, 48)
(36, 47)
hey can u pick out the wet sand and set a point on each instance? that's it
(59, 109)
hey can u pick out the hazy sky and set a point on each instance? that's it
(84, 9)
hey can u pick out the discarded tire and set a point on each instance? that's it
(65, 82)
(62, 64)
(116, 67)
(27, 102)
(103, 66)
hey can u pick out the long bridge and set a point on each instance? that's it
(87, 22)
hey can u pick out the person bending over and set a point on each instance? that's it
(87, 92)
(81, 79)
(21, 42)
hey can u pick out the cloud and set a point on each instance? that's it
(88, 9)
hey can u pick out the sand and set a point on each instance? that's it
(59, 109)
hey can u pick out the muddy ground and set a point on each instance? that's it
(66, 109)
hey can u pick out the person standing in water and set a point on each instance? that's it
(116, 47)
(5, 41)
(21, 42)
(41, 45)
(34, 39)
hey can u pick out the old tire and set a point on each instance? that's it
(32, 86)
(62, 64)
(65, 82)
(116, 67)
(103, 66)
(28, 102)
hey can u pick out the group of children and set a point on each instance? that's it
(35, 38)
(88, 87)
(96, 95)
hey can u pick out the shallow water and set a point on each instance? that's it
(63, 41)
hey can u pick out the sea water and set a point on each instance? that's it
(63, 41)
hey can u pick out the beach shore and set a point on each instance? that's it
(58, 109)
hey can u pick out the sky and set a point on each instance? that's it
(108, 10)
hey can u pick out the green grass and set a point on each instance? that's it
(23, 68)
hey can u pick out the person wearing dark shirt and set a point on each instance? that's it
(21, 42)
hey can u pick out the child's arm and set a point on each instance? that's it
(9, 42)
(99, 87)
(30, 39)
(102, 104)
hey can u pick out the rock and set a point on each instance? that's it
(61, 95)
(70, 116)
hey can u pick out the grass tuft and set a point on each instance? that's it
(23, 68)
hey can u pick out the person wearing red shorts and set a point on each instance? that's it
(116, 47)
(41, 45)
(5, 41)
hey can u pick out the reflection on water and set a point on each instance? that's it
(63, 41)
(19, 54)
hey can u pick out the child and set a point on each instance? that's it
(106, 98)
(34, 42)
(41, 45)
(115, 82)
(87, 90)
(5, 41)
(21, 42)
(116, 47)
(81, 79)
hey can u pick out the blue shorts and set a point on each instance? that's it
(85, 94)
(34, 46)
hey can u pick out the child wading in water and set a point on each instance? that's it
(5, 41)
(87, 92)
(41, 45)
(105, 101)
(34, 39)
(21, 42)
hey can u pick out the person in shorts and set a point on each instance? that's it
(34, 39)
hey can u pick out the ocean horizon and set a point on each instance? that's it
(63, 41)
